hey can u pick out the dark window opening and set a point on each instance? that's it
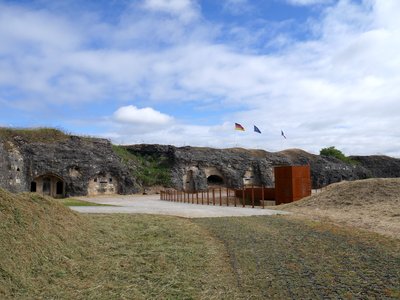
(215, 179)
(110, 180)
(95, 180)
(33, 187)
(59, 188)
(18, 169)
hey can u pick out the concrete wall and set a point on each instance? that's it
(50, 185)
(102, 184)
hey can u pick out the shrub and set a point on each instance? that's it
(149, 170)
(336, 153)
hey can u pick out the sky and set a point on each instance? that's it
(183, 72)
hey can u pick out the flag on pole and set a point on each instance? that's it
(283, 134)
(256, 129)
(239, 127)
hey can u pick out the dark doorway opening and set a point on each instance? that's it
(33, 187)
(46, 186)
(215, 180)
(59, 188)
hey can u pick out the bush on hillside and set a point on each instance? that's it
(336, 153)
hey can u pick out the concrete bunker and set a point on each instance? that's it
(49, 184)
(103, 184)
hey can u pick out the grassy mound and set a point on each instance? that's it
(37, 238)
(372, 204)
(49, 252)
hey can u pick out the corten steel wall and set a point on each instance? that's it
(292, 183)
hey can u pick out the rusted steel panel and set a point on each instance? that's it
(292, 183)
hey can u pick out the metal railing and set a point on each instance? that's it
(221, 196)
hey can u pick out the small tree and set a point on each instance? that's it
(333, 152)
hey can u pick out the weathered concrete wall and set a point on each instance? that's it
(103, 184)
(85, 166)
(75, 160)
(190, 166)
(379, 165)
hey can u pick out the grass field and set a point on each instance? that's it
(50, 252)
(281, 258)
(77, 202)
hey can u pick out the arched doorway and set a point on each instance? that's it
(215, 180)
(50, 185)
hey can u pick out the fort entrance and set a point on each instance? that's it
(215, 180)
(50, 185)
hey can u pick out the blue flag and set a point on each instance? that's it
(282, 134)
(256, 129)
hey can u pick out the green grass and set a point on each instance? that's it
(76, 202)
(148, 170)
(42, 134)
(280, 258)
(48, 251)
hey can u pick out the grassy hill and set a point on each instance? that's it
(372, 204)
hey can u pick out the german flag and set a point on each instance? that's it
(239, 127)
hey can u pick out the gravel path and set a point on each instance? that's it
(150, 204)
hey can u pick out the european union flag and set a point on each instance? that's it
(256, 129)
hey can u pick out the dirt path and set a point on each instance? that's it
(150, 204)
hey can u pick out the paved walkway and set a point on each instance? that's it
(139, 204)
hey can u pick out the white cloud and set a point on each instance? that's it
(342, 88)
(309, 2)
(143, 116)
(185, 10)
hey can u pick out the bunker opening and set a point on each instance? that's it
(50, 185)
(215, 180)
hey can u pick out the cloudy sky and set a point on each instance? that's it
(182, 72)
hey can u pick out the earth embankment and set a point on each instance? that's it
(372, 204)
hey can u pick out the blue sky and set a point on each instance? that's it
(183, 72)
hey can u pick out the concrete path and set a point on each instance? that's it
(139, 204)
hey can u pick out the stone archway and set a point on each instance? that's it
(50, 185)
(215, 180)
(214, 177)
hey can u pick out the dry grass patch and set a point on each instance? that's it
(372, 204)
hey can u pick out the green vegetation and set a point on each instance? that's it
(149, 170)
(282, 258)
(49, 252)
(33, 134)
(76, 202)
(333, 152)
